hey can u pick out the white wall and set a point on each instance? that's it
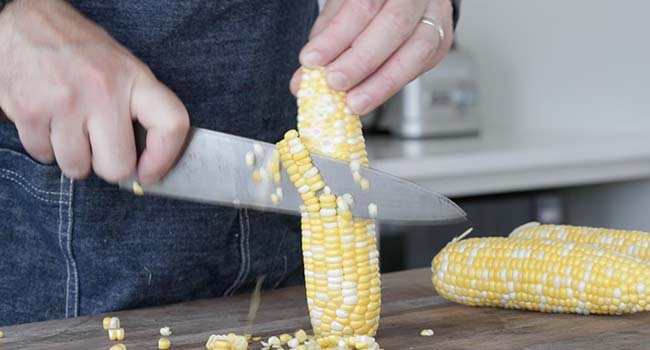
(576, 64)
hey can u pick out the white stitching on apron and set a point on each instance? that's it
(35, 195)
(27, 182)
(72, 281)
(245, 252)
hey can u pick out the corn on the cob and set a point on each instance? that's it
(632, 243)
(541, 275)
(340, 253)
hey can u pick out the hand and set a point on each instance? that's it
(73, 93)
(373, 48)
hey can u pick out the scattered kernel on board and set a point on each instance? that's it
(164, 343)
(426, 332)
(106, 322)
(165, 331)
(118, 347)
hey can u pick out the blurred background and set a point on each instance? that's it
(540, 113)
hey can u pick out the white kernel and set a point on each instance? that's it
(279, 192)
(258, 149)
(426, 332)
(250, 159)
(303, 189)
(372, 210)
(165, 332)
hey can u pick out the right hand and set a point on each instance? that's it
(73, 93)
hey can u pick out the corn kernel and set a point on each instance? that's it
(118, 347)
(164, 343)
(106, 323)
(165, 332)
(426, 332)
(250, 159)
(119, 334)
(114, 323)
(137, 189)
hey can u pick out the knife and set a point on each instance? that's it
(212, 169)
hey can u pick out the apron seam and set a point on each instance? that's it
(244, 254)
(15, 174)
(33, 194)
(65, 234)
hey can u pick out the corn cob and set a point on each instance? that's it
(632, 243)
(541, 275)
(340, 255)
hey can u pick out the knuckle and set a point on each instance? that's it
(98, 81)
(425, 51)
(389, 83)
(114, 173)
(368, 5)
(43, 156)
(401, 21)
(63, 97)
(29, 111)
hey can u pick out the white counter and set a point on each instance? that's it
(498, 162)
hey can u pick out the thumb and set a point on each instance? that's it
(166, 120)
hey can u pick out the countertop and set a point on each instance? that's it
(499, 161)
(409, 305)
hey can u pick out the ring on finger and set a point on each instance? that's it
(431, 22)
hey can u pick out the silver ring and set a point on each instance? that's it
(435, 25)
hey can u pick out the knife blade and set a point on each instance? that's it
(212, 169)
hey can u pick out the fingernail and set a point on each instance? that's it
(311, 59)
(337, 80)
(359, 103)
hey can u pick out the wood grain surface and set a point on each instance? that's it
(409, 305)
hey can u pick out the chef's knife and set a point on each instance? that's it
(213, 169)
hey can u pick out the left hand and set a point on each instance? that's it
(373, 48)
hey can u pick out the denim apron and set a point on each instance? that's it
(70, 248)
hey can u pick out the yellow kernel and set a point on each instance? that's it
(137, 189)
(164, 343)
(301, 335)
(112, 334)
(119, 334)
(284, 338)
(365, 185)
(2, 334)
(106, 323)
(356, 176)
(118, 347)
(274, 198)
(257, 176)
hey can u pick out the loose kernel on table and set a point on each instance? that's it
(426, 332)
(106, 323)
(114, 323)
(164, 343)
(118, 347)
(284, 338)
(165, 332)
(2, 334)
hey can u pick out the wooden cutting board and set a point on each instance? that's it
(409, 305)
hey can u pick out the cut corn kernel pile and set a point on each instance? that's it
(339, 251)
(229, 341)
(542, 275)
(632, 243)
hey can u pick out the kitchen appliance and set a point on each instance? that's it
(441, 102)
(213, 168)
